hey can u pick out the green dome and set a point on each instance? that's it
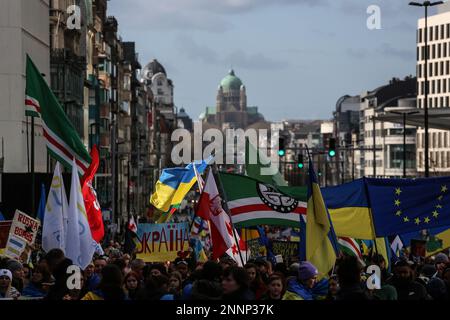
(231, 82)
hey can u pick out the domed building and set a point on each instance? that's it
(155, 77)
(231, 110)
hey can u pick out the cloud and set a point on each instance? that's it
(387, 49)
(357, 53)
(206, 15)
(237, 58)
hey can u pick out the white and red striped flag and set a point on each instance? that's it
(210, 209)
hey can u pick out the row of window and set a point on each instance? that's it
(438, 159)
(435, 69)
(435, 33)
(437, 86)
(388, 132)
(437, 102)
(438, 51)
(436, 140)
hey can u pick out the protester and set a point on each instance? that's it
(333, 288)
(304, 285)
(138, 266)
(18, 275)
(36, 287)
(182, 266)
(387, 291)
(58, 265)
(156, 287)
(349, 271)
(99, 264)
(91, 278)
(441, 261)
(235, 285)
(208, 286)
(6, 290)
(276, 286)
(175, 284)
(256, 284)
(132, 285)
(110, 287)
(404, 282)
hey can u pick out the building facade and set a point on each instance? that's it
(231, 110)
(24, 30)
(439, 88)
(387, 160)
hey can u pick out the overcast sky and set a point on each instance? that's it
(296, 57)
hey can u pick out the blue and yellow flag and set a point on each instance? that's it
(438, 239)
(321, 244)
(349, 210)
(402, 206)
(174, 184)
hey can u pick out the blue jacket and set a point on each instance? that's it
(297, 291)
(92, 282)
(32, 291)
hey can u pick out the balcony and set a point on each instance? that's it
(105, 140)
(105, 110)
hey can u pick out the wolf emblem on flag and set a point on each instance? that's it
(276, 200)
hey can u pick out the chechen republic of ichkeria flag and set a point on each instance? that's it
(80, 246)
(210, 209)
(55, 217)
(62, 140)
(350, 246)
(253, 203)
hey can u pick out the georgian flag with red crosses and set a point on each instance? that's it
(210, 209)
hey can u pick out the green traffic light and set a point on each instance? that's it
(332, 153)
(301, 165)
(281, 153)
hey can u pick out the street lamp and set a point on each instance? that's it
(426, 4)
(403, 112)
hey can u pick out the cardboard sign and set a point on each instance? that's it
(256, 249)
(15, 247)
(162, 242)
(24, 227)
(5, 226)
(285, 249)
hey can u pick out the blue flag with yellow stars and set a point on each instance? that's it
(406, 205)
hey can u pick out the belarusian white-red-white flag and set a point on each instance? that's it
(210, 209)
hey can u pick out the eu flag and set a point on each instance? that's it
(406, 205)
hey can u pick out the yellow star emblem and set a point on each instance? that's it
(417, 221)
(398, 213)
(406, 219)
(398, 191)
(440, 198)
(426, 220)
(435, 214)
(439, 206)
(397, 202)
(444, 188)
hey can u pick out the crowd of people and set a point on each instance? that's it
(117, 276)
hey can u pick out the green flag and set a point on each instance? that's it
(254, 170)
(62, 140)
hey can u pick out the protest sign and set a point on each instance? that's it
(256, 249)
(15, 247)
(162, 242)
(24, 227)
(285, 249)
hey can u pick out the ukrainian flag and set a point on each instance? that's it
(174, 184)
(321, 244)
(349, 210)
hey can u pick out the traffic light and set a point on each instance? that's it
(332, 147)
(281, 150)
(300, 163)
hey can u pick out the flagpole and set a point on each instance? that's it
(225, 207)
(28, 146)
(370, 215)
(33, 196)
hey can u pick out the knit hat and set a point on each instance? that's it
(14, 265)
(307, 271)
(441, 258)
(428, 270)
(6, 272)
